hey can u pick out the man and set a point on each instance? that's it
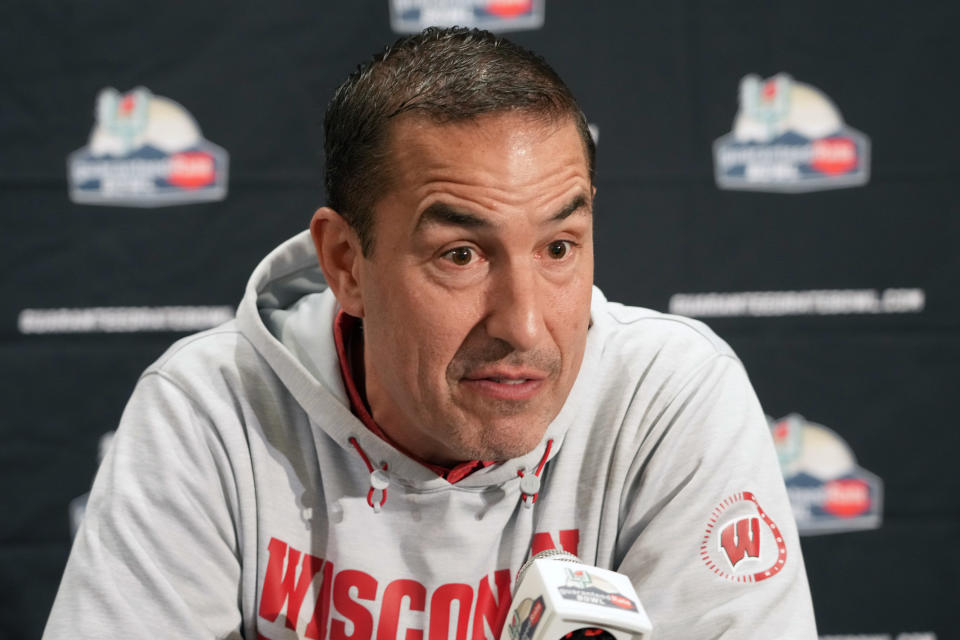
(379, 441)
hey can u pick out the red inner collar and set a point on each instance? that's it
(348, 336)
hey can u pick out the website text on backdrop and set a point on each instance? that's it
(383, 435)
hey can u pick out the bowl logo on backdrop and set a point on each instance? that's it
(828, 492)
(789, 137)
(412, 16)
(145, 151)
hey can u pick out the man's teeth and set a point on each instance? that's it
(509, 380)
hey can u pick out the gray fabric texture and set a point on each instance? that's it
(233, 467)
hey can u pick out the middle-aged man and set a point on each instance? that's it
(384, 435)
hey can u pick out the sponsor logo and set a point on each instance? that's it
(583, 586)
(814, 302)
(789, 137)
(411, 16)
(525, 618)
(121, 319)
(741, 542)
(828, 492)
(145, 151)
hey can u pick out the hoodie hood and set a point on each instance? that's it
(288, 312)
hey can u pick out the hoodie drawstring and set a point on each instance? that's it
(379, 480)
(530, 484)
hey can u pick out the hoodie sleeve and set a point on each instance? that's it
(156, 554)
(707, 533)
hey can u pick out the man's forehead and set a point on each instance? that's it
(410, 130)
(478, 167)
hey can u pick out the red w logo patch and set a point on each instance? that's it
(732, 535)
(741, 539)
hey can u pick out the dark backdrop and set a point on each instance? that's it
(659, 80)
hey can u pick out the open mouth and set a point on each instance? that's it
(504, 387)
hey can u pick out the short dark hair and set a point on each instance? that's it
(446, 75)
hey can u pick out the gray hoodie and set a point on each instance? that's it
(242, 498)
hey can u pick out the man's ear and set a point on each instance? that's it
(338, 249)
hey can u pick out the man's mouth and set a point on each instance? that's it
(515, 386)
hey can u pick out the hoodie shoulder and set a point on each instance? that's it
(632, 328)
(207, 364)
(638, 348)
(209, 347)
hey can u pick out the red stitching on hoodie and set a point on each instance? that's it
(543, 462)
(366, 460)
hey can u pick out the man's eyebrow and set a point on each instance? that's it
(578, 203)
(443, 214)
(439, 213)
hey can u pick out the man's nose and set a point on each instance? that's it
(515, 313)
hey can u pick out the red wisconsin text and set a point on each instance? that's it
(358, 597)
(369, 604)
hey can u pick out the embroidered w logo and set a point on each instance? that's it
(741, 539)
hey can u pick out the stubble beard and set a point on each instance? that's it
(481, 435)
(481, 441)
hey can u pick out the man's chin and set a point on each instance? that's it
(505, 454)
(502, 440)
(498, 430)
(487, 409)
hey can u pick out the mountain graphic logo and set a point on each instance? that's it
(145, 151)
(789, 137)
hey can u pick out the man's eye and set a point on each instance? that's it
(461, 256)
(559, 249)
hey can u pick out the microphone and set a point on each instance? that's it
(558, 597)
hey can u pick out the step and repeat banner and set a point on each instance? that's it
(785, 171)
